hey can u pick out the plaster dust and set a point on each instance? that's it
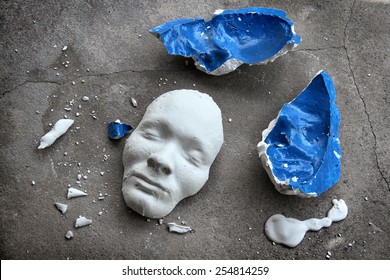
(60, 128)
(290, 231)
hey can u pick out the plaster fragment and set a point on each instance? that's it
(117, 129)
(173, 227)
(69, 235)
(61, 207)
(73, 192)
(82, 222)
(60, 128)
(134, 102)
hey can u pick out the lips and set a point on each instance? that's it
(148, 184)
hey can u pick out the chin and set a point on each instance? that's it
(145, 204)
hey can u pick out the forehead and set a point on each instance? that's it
(189, 113)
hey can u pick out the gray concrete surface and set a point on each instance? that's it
(113, 57)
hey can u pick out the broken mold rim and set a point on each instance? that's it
(295, 39)
(164, 27)
(284, 187)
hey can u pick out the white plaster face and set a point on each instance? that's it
(168, 156)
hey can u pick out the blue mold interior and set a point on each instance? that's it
(304, 141)
(117, 130)
(251, 35)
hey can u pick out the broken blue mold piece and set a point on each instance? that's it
(300, 150)
(230, 38)
(117, 129)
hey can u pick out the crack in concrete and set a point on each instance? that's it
(97, 75)
(349, 58)
(28, 82)
(318, 49)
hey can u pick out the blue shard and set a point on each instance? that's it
(117, 129)
(230, 38)
(300, 150)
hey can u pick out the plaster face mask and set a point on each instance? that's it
(168, 156)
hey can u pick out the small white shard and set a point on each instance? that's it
(160, 221)
(69, 235)
(173, 227)
(85, 98)
(219, 11)
(72, 192)
(33, 183)
(134, 102)
(60, 127)
(64, 48)
(337, 154)
(61, 207)
(82, 222)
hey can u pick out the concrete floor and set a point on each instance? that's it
(112, 58)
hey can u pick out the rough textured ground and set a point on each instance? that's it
(112, 58)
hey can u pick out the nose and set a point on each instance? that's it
(162, 160)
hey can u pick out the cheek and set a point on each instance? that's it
(191, 179)
(136, 149)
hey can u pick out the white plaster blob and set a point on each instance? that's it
(173, 227)
(290, 231)
(61, 207)
(60, 127)
(82, 222)
(73, 192)
(168, 156)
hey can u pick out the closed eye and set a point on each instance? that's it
(195, 157)
(194, 160)
(151, 134)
